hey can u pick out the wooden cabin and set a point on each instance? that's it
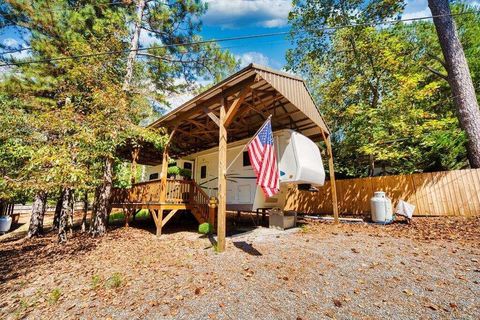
(232, 110)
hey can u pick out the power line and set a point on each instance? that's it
(15, 51)
(263, 35)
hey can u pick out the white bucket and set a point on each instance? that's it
(5, 223)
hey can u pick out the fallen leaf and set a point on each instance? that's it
(408, 292)
(337, 303)
(432, 306)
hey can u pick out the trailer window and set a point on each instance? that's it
(246, 159)
(153, 176)
(203, 172)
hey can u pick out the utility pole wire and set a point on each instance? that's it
(254, 36)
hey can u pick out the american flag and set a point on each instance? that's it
(264, 160)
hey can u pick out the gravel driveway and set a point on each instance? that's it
(428, 270)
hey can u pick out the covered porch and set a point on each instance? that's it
(230, 111)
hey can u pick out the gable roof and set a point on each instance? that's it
(263, 92)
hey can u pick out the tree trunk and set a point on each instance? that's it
(85, 211)
(64, 213)
(58, 210)
(99, 219)
(71, 208)
(458, 77)
(134, 44)
(38, 213)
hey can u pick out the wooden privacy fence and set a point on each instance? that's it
(449, 193)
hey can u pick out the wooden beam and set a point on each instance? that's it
(331, 169)
(212, 115)
(157, 217)
(222, 180)
(235, 106)
(181, 116)
(168, 217)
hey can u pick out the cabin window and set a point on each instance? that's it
(203, 172)
(246, 159)
(187, 165)
(172, 164)
(153, 176)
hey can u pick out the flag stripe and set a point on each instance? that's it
(263, 159)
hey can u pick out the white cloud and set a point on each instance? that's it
(417, 14)
(416, 9)
(10, 42)
(241, 13)
(252, 56)
(147, 39)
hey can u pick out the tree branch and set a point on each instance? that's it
(437, 73)
(434, 57)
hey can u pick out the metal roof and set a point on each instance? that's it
(270, 92)
(289, 85)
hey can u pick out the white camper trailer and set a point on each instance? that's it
(299, 162)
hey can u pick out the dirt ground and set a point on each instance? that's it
(427, 270)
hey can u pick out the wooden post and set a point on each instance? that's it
(163, 181)
(333, 186)
(157, 217)
(222, 180)
(163, 176)
(212, 210)
(133, 166)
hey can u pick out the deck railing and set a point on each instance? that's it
(177, 192)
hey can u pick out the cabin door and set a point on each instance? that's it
(189, 165)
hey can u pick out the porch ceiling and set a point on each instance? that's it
(256, 92)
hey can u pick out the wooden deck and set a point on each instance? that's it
(179, 195)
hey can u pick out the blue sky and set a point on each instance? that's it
(229, 18)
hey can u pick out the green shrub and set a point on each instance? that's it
(205, 228)
(173, 171)
(186, 173)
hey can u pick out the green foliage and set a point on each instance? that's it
(60, 120)
(186, 173)
(173, 171)
(376, 88)
(96, 281)
(177, 171)
(205, 228)
(55, 296)
(114, 281)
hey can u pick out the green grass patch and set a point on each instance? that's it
(55, 295)
(114, 281)
(305, 228)
(96, 281)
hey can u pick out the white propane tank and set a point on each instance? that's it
(381, 207)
